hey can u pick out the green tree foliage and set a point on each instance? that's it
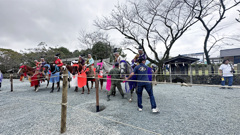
(76, 53)
(64, 52)
(101, 50)
(86, 52)
(48, 53)
(9, 60)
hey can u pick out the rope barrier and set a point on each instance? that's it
(88, 112)
(209, 74)
(134, 74)
(155, 82)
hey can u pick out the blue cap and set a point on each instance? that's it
(116, 64)
(140, 60)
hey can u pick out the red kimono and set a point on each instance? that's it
(58, 62)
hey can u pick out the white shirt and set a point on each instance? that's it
(226, 69)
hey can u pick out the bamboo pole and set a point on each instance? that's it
(64, 102)
(191, 79)
(97, 92)
(11, 80)
(170, 72)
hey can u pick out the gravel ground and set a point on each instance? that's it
(183, 110)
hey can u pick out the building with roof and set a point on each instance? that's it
(231, 54)
(216, 60)
(200, 56)
(180, 64)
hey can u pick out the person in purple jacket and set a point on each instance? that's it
(81, 60)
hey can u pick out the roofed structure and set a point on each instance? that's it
(181, 59)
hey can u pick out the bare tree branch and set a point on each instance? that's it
(87, 40)
(153, 21)
(238, 20)
(207, 8)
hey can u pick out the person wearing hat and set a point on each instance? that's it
(81, 60)
(37, 64)
(90, 64)
(115, 74)
(58, 61)
(142, 55)
(41, 64)
(42, 61)
(90, 61)
(118, 58)
(142, 75)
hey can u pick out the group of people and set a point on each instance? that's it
(87, 63)
(141, 70)
(40, 64)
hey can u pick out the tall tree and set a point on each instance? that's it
(42, 50)
(153, 20)
(88, 39)
(76, 53)
(215, 10)
(9, 59)
(238, 19)
(101, 50)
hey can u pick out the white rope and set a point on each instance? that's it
(65, 104)
(147, 81)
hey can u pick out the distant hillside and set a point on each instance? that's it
(9, 60)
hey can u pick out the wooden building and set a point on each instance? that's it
(179, 66)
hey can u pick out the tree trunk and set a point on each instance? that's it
(206, 52)
(160, 77)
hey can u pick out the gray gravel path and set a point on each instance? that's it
(183, 110)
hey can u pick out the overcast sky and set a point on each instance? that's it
(26, 23)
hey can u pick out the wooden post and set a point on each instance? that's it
(64, 102)
(164, 74)
(203, 69)
(170, 72)
(191, 79)
(209, 69)
(196, 69)
(216, 69)
(11, 80)
(97, 92)
(238, 68)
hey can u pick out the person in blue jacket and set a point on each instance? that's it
(142, 75)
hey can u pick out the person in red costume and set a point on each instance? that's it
(58, 61)
(37, 64)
